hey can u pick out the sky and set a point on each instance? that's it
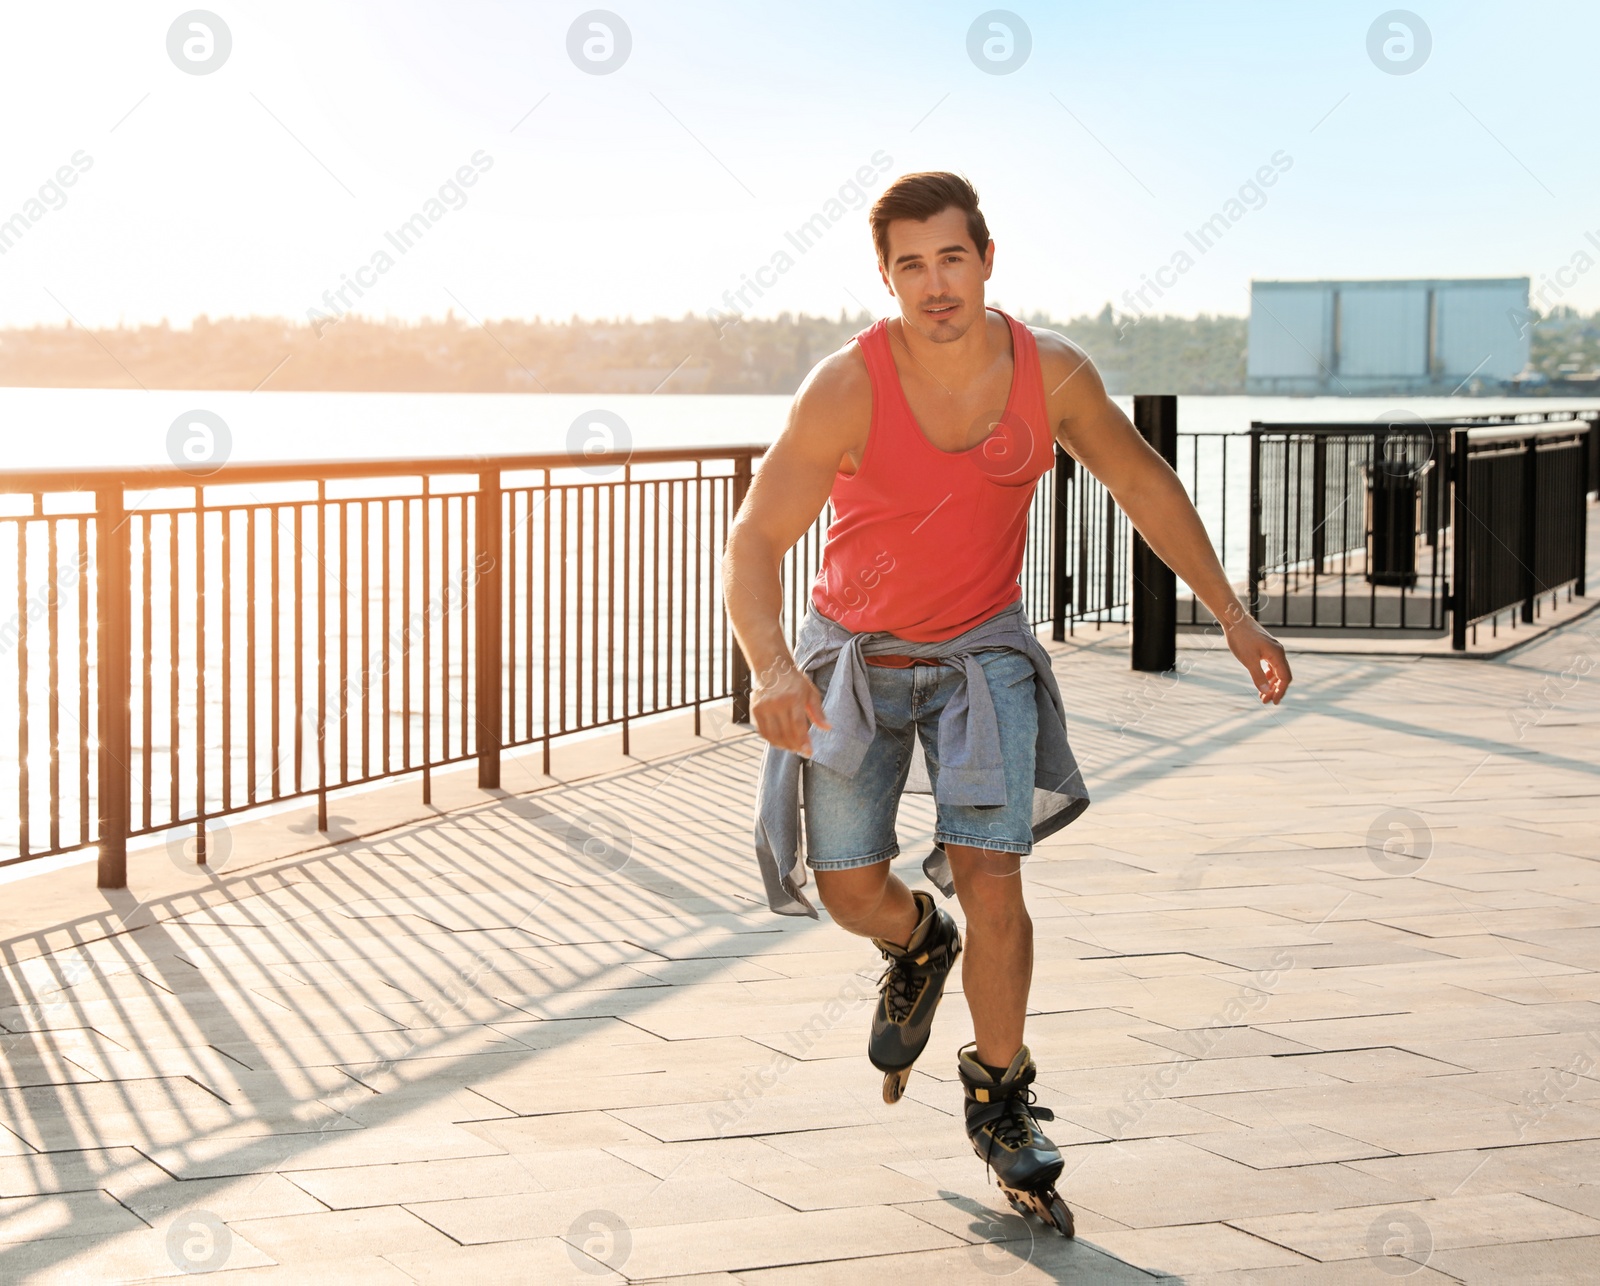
(660, 169)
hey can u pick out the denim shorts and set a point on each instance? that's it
(849, 821)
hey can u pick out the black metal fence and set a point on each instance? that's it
(188, 648)
(1215, 469)
(1520, 517)
(1334, 528)
(1357, 526)
(282, 631)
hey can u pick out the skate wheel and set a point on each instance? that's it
(1046, 1203)
(894, 1084)
(1020, 1200)
(1061, 1216)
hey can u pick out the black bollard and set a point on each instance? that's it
(1155, 587)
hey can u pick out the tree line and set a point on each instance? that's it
(691, 354)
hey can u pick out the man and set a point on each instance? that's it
(929, 431)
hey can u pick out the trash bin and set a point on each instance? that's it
(1393, 487)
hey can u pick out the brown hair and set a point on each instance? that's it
(921, 196)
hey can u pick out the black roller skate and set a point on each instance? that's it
(909, 991)
(1003, 1124)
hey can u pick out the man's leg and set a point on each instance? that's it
(920, 949)
(997, 964)
(869, 900)
(1001, 1121)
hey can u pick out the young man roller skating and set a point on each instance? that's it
(929, 432)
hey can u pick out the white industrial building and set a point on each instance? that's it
(1421, 336)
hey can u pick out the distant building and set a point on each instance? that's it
(1421, 336)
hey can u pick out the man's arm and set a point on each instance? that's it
(1094, 431)
(829, 414)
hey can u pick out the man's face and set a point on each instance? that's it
(936, 274)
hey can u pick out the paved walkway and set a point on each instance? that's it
(1315, 989)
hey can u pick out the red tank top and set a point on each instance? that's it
(926, 543)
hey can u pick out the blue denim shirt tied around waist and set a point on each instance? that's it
(970, 766)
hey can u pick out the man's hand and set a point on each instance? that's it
(1260, 654)
(783, 707)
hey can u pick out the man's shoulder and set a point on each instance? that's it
(838, 383)
(1056, 351)
(1062, 364)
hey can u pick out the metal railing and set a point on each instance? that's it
(1354, 526)
(1322, 501)
(1520, 517)
(186, 648)
(1216, 479)
(281, 631)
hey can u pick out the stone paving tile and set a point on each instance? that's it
(1146, 1183)
(1142, 1118)
(333, 1235)
(1498, 1054)
(201, 1063)
(1047, 1258)
(1187, 1004)
(1228, 1042)
(1558, 1262)
(210, 1158)
(602, 1031)
(642, 1056)
(1581, 1197)
(743, 1158)
(862, 1185)
(1442, 1174)
(1379, 1063)
(334, 1050)
(348, 1187)
(671, 1201)
(555, 1132)
(1549, 1084)
(1407, 1027)
(20, 1067)
(1580, 986)
(1399, 1120)
(358, 1270)
(134, 1256)
(511, 1263)
(64, 1214)
(149, 1114)
(740, 1244)
(776, 1112)
(256, 1196)
(895, 1142)
(117, 1170)
(1270, 1149)
(1238, 1075)
(1195, 1248)
(1364, 1272)
(1448, 1223)
(693, 1279)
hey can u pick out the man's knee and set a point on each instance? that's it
(854, 895)
(993, 867)
(989, 884)
(991, 899)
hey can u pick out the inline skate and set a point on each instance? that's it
(1003, 1126)
(909, 992)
